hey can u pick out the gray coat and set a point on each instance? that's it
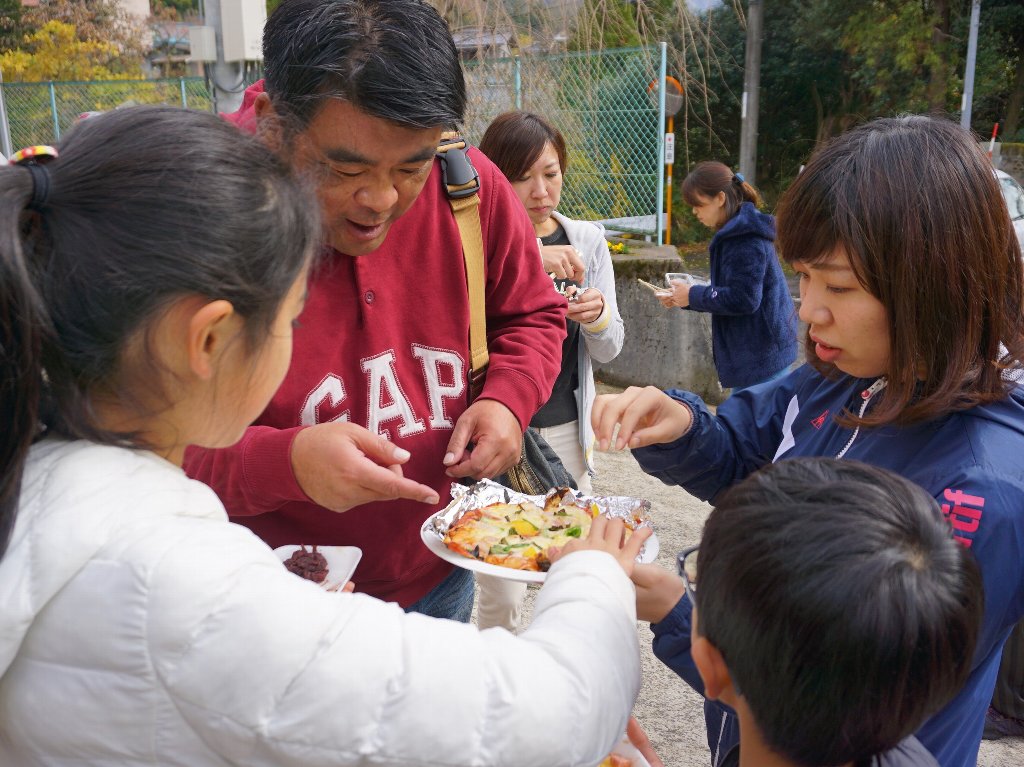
(602, 338)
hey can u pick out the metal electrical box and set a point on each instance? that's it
(202, 44)
(242, 29)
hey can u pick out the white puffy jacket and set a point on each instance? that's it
(139, 627)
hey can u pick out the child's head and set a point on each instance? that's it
(836, 601)
(715, 193)
(530, 152)
(155, 252)
(910, 208)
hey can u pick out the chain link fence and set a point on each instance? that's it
(38, 113)
(599, 100)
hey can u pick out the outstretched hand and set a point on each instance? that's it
(340, 465)
(607, 534)
(644, 416)
(658, 591)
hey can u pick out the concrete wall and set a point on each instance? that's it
(663, 347)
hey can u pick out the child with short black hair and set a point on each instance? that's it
(835, 612)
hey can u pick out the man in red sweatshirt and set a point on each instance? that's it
(373, 418)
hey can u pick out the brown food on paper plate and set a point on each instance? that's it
(307, 564)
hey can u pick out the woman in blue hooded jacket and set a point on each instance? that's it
(753, 320)
(913, 294)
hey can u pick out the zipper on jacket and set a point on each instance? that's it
(866, 396)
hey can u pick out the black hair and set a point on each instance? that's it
(708, 178)
(514, 140)
(393, 59)
(843, 607)
(146, 205)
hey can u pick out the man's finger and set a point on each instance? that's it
(382, 484)
(486, 460)
(499, 465)
(461, 435)
(379, 449)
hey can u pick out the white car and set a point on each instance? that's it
(1013, 193)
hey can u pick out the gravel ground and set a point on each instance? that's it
(669, 710)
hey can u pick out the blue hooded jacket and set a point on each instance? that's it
(971, 461)
(753, 320)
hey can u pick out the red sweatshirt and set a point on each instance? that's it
(384, 342)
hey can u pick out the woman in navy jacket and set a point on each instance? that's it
(753, 320)
(912, 289)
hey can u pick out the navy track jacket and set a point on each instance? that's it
(753, 319)
(971, 461)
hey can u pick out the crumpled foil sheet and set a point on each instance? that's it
(636, 511)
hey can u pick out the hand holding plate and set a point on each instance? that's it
(607, 534)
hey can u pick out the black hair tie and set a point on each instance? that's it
(40, 186)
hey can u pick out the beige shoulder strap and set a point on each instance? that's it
(464, 198)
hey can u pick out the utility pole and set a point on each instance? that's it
(226, 77)
(751, 91)
(972, 54)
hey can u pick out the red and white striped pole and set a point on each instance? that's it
(992, 143)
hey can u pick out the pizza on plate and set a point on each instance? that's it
(518, 535)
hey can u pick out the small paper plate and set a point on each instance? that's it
(436, 545)
(341, 562)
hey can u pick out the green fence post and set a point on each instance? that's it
(184, 96)
(662, 73)
(53, 111)
(6, 146)
(517, 68)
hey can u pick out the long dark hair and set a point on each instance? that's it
(708, 178)
(145, 205)
(393, 59)
(914, 203)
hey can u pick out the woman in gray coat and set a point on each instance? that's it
(531, 153)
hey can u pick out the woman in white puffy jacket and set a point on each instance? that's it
(531, 154)
(139, 626)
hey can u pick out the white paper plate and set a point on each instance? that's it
(341, 562)
(436, 545)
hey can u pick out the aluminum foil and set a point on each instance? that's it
(636, 511)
